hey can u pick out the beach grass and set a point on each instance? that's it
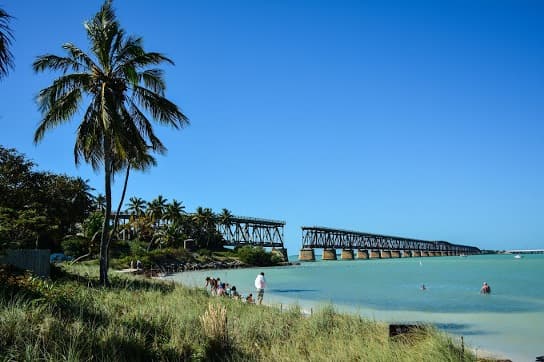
(138, 319)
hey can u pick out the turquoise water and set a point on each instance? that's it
(508, 323)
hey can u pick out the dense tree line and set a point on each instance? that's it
(38, 208)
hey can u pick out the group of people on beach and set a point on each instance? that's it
(221, 289)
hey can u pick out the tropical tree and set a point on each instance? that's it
(136, 206)
(100, 202)
(225, 217)
(174, 211)
(139, 161)
(205, 224)
(156, 209)
(6, 37)
(124, 93)
(38, 208)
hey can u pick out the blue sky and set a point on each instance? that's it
(420, 119)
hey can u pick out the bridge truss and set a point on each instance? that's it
(322, 237)
(252, 231)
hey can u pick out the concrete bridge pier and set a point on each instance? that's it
(362, 254)
(329, 254)
(395, 253)
(424, 253)
(347, 254)
(306, 254)
(416, 253)
(374, 254)
(407, 254)
(385, 254)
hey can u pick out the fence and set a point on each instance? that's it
(35, 260)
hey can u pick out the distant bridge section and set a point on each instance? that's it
(372, 245)
(525, 251)
(240, 231)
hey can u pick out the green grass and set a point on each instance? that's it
(138, 319)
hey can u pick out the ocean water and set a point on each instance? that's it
(509, 322)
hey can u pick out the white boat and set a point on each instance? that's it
(517, 256)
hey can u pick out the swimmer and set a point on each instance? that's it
(486, 289)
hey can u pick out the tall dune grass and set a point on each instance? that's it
(141, 320)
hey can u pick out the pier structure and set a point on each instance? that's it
(240, 231)
(372, 246)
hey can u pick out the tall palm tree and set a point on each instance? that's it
(123, 92)
(100, 202)
(225, 217)
(136, 206)
(139, 161)
(156, 209)
(173, 211)
(6, 37)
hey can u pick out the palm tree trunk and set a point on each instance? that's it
(104, 241)
(116, 219)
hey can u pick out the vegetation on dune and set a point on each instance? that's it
(72, 318)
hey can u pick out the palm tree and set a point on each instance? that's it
(173, 211)
(100, 202)
(139, 161)
(156, 209)
(225, 217)
(136, 206)
(205, 220)
(6, 37)
(122, 90)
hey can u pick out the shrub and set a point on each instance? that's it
(75, 246)
(120, 249)
(256, 256)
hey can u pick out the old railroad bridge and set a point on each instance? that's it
(239, 231)
(269, 233)
(372, 245)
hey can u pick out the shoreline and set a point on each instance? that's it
(180, 268)
(308, 307)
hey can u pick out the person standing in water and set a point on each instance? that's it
(486, 289)
(260, 284)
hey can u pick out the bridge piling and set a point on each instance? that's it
(329, 254)
(362, 254)
(306, 254)
(347, 254)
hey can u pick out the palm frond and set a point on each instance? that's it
(160, 108)
(153, 79)
(61, 86)
(79, 56)
(59, 112)
(145, 127)
(6, 38)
